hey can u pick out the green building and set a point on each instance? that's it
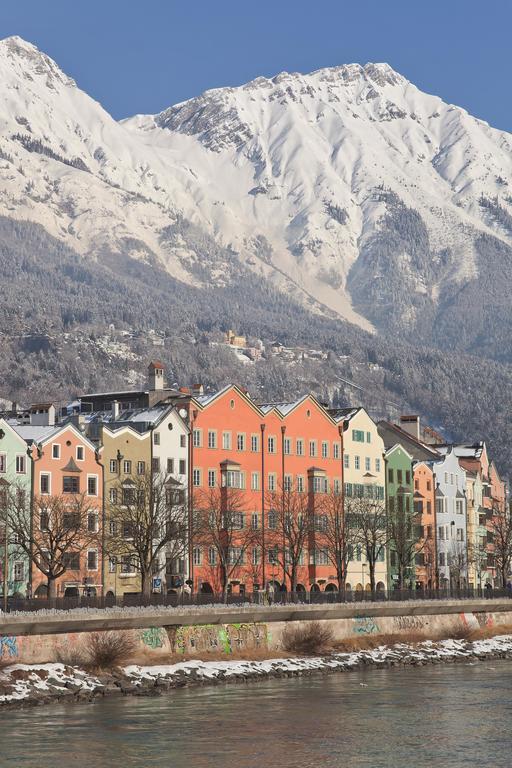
(15, 477)
(400, 514)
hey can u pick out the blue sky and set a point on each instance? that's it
(143, 55)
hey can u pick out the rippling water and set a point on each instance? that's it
(441, 717)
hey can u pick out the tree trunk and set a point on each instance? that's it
(52, 587)
(146, 585)
(371, 566)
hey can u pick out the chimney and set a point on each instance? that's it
(197, 390)
(411, 425)
(42, 415)
(115, 410)
(156, 376)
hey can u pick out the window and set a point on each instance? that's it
(112, 565)
(254, 521)
(407, 477)
(368, 437)
(71, 561)
(197, 438)
(240, 441)
(44, 520)
(196, 555)
(170, 466)
(255, 481)
(367, 464)
(256, 556)
(129, 496)
(55, 451)
(183, 441)
(429, 485)
(196, 477)
(441, 532)
(3, 463)
(346, 461)
(92, 522)
(348, 489)
(442, 558)
(183, 467)
(113, 495)
(287, 484)
(357, 462)
(254, 443)
(79, 453)
(127, 467)
(127, 565)
(377, 465)
(287, 446)
(271, 444)
(212, 556)
(299, 447)
(212, 478)
(113, 466)
(19, 571)
(272, 520)
(321, 523)
(44, 483)
(92, 560)
(238, 521)
(325, 449)
(336, 450)
(127, 530)
(271, 481)
(235, 556)
(92, 485)
(300, 484)
(226, 441)
(212, 438)
(20, 464)
(272, 556)
(312, 448)
(399, 476)
(70, 484)
(358, 436)
(141, 467)
(460, 534)
(337, 485)
(390, 475)
(155, 464)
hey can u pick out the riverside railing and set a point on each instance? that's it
(184, 599)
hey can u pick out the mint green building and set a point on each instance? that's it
(400, 510)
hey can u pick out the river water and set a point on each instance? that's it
(446, 716)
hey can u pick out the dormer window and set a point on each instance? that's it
(55, 451)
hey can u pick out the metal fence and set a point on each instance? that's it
(177, 600)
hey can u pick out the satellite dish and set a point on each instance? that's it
(183, 413)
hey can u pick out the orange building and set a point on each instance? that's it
(260, 450)
(425, 508)
(65, 464)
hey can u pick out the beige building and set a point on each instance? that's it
(125, 454)
(364, 476)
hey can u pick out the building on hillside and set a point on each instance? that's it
(451, 516)
(425, 508)
(364, 476)
(65, 466)
(235, 341)
(125, 454)
(15, 478)
(401, 519)
(262, 452)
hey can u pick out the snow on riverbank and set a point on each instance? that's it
(23, 684)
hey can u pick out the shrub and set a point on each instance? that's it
(104, 650)
(309, 638)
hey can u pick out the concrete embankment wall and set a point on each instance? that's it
(48, 637)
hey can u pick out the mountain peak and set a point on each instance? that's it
(28, 60)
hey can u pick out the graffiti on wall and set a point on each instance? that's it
(153, 637)
(364, 625)
(408, 623)
(226, 638)
(8, 646)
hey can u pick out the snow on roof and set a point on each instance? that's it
(34, 434)
(343, 414)
(473, 451)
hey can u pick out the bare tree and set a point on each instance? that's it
(458, 562)
(221, 526)
(147, 518)
(502, 534)
(289, 524)
(403, 536)
(338, 538)
(368, 518)
(53, 533)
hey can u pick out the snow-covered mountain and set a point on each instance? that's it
(348, 188)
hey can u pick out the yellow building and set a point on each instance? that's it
(364, 477)
(125, 455)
